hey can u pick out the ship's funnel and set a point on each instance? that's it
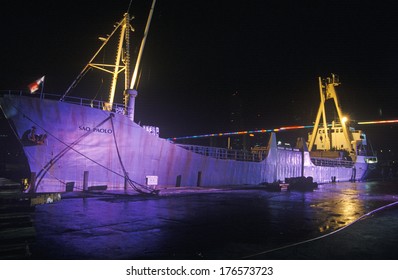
(131, 104)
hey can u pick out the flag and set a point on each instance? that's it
(35, 85)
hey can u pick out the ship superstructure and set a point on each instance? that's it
(336, 139)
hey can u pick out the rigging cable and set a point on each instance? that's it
(68, 147)
(128, 9)
(20, 140)
(46, 168)
(323, 236)
(136, 186)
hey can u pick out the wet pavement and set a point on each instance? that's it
(244, 222)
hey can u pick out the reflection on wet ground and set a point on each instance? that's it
(228, 224)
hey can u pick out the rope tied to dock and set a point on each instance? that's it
(134, 185)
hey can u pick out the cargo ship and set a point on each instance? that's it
(72, 142)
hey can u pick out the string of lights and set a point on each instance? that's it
(379, 122)
(242, 132)
(284, 128)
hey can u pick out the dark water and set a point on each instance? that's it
(222, 225)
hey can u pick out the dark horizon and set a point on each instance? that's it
(199, 55)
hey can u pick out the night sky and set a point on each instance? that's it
(205, 59)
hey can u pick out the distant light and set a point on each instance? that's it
(371, 160)
(344, 120)
(292, 127)
(379, 122)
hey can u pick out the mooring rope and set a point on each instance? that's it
(68, 147)
(46, 168)
(136, 186)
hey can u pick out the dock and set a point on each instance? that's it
(17, 232)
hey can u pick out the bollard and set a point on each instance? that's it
(32, 188)
(178, 181)
(85, 181)
(199, 181)
(126, 181)
(69, 186)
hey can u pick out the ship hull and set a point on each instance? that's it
(90, 146)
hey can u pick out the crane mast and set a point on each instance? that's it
(122, 63)
(327, 91)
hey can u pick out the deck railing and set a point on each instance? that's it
(223, 153)
(93, 103)
(332, 162)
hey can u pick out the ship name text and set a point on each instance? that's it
(96, 129)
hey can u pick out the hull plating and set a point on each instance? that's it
(107, 145)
